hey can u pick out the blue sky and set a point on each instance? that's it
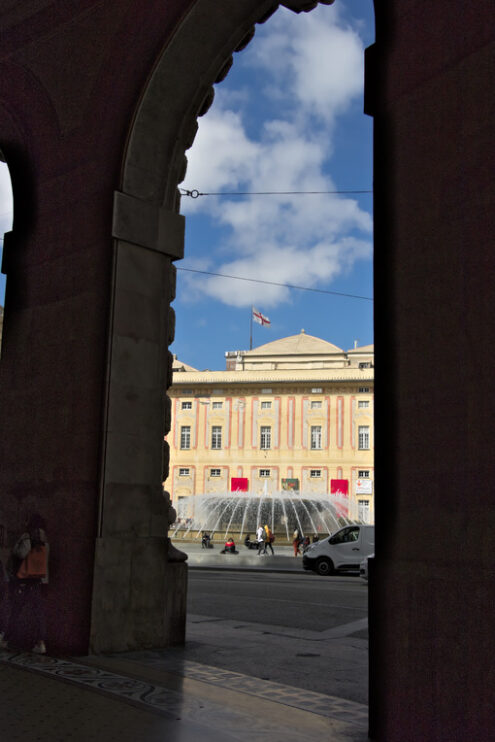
(287, 118)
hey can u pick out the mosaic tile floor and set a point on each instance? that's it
(315, 703)
(345, 720)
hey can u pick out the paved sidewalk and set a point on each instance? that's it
(144, 697)
(247, 559)
(50, 708)
(150, 696)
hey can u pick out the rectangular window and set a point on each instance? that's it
(316, 390)
(315, 437)
(365, 364)
(363, 474)
(363, 437)
(266, 405)
(315, 405)
(266, 391)
(264, 472)
(363, 403)
(183, 472)
(216, 405)
(315, 473)
(364, 511)
(186, 406)
(266, 437)
(364, 390)
(185, 436)
(216, 436)
(215, 472)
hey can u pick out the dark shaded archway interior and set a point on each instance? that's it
(85, 362)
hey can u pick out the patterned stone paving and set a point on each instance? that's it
(316, 703)
(160, 699)
(107, 682)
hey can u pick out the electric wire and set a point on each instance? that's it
(275, 283)
(272, 283)
(194, 193)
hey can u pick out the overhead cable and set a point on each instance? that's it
(195, 193)
(275, 283)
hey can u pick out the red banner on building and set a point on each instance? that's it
(239, 484)
(339, 487)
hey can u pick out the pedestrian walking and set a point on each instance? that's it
(269, 539)
(260, 539)
(27, 571)
(296, 540)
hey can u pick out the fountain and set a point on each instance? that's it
(242, 512)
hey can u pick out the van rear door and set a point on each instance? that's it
(368, 540)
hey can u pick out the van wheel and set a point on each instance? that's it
(324, 566)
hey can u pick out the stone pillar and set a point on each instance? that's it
(432, 607)
(139, 590)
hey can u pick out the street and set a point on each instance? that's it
(301, 600)
(299, 629)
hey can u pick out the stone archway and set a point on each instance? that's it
(149, 236)
(429, 82)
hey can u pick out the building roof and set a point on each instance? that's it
(296, 358)
(300, 344)
(181, 367)
(274, 376)
(362, 349)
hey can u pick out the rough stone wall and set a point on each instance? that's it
(71, 78)
(432, 612)
(94, 123)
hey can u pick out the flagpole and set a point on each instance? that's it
(251, 331)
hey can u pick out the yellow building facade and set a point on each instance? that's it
(295, 413)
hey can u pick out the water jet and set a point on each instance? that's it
(240, 513)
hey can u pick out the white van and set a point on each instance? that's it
(342, 551)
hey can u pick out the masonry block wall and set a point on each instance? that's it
(69, 89)
(429, 83)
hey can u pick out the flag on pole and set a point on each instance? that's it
(260, 318)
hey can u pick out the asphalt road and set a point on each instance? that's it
(300, 600)
(293, 628)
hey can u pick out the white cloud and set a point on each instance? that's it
(6, 207)
(6, 204)
(317, 57)
(313, 62)
(289, 264)
(221, 154)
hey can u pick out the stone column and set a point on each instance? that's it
(139, 591)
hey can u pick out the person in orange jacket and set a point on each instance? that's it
(24, 587)
(270, 538)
